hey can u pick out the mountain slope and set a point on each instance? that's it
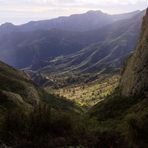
(39, 47)
(18, 90)
(117, 42)
(126, 110)
(134, 80)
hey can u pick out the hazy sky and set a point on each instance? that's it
(21, 11)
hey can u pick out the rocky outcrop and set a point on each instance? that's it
(134, 81)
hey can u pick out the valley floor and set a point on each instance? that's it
(87, 94)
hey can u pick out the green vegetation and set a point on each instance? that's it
(116, 121)
(88, 93)
(124, 115)
(17, 88)
(44, 127)
(29, 114)
(41, 127)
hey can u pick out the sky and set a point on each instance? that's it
(22, 11)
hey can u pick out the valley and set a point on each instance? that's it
(87, 94)
(76, 81)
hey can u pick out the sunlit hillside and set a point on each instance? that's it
(88, 94)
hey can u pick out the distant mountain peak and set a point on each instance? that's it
(94, 12)
(7, 24)
(7, 27)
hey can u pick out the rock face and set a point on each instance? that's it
(134, 81)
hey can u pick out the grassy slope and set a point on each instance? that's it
(17, 89)
(124, 115)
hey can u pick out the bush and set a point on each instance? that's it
(137, 130)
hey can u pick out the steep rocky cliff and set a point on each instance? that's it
(134, 81)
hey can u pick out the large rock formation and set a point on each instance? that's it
(135, 77)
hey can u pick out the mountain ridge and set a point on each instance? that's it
(42, 46)
(75, 22)
(116, 43)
